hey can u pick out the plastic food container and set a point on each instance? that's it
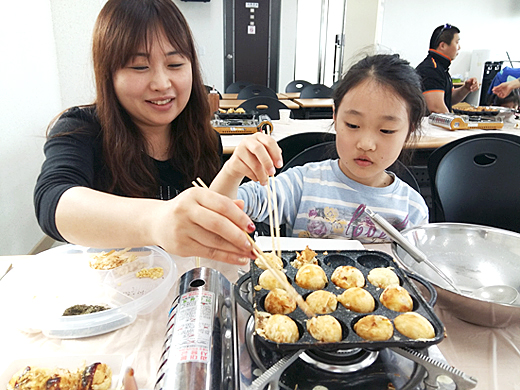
(365, 261)
(61, 277)
(115, 362)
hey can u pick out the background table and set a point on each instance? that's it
(234, 103)
(431, 136)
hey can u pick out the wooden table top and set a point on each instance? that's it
(315, 103)
(234, 103)
(234, 96)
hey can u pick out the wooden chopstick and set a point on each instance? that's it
(281, 278)
(278, 275)
(276, 217)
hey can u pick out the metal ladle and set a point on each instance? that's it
(498, 293)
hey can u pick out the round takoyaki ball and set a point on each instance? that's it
(275, 260)
(347, 276)
(281, 329)
(311, 277)
(374, 328)
(325, 328)
(322, 302)
(396, 298)
(383, 277)
(414, 326)
(357, 299)
(268, 281)
(278, 301)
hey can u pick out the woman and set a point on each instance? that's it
(110, 165)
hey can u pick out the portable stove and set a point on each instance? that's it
(210, 344)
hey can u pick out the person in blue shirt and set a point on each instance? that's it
(503, 90)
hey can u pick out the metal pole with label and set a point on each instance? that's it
(201, 339)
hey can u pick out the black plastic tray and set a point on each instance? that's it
(364, 260)
(235, 115)
(475, 113)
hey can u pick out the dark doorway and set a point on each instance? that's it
(252, 41)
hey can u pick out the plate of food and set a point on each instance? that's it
(72, 291)
(93, 372)
(360, 298)
(468, 109)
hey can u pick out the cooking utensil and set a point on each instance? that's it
(364, 260)
(274, 372)
(9, 268)
(405, 244)
(497, 293)
(476, 256)
(436, 369)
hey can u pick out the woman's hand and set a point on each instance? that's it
(503, 90)
(200, 222)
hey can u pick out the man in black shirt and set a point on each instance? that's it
(437, 86)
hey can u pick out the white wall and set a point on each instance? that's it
(29, 97)
(207, 25)
(484, 24)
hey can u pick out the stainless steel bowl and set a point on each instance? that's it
(473, 256)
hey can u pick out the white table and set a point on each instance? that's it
(492, 355)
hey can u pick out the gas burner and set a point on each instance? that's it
(349, 369)
(353, 369)
(341, 361)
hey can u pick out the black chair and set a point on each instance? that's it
(254, 90)
(237, 86)
(264, 105)
(314, 91)
(335, 84)
(476, 179)
(296, 85)
(327, 150)
(209, 89)
(297, 143)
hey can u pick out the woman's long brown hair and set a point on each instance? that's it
(123, 27)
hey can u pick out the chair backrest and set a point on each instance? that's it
(327, 150)
(296, 85)
(316, 91)
(297, 143)
(264, 105)
(237, 86)
(476, 180)
(256, 90)
(210, 88)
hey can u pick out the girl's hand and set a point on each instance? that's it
(200, 222)
(256, 157)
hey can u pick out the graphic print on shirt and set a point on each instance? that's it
(330, 222)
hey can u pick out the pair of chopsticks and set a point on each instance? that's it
(267, 263)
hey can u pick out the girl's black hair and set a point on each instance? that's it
(393, 72)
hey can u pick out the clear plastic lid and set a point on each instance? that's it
(43, 287)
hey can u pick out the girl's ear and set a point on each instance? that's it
(333, 113)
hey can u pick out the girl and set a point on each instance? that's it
(113, 168)
(378, 107)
